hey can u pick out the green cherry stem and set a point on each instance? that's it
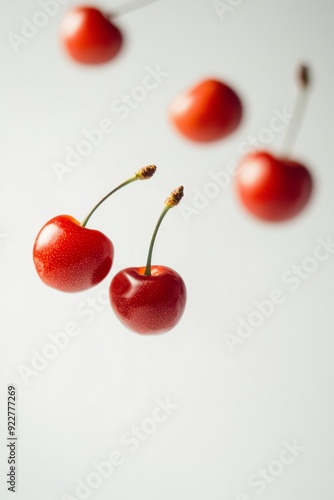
(142, 174)
(303, 77)
(172, 200)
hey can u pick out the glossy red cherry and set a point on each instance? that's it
(209, 111)
(72, 258)
(271, 188)
(148, 304)
(89, 36)
(151, 299)
(276, 188)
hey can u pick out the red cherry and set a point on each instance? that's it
(89, 36)
(273, 189)
(207, 112)
(148, 304)
(149, 299)
(70, 257)
(277, 188)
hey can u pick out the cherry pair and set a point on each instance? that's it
(71, 258)
(271, 188)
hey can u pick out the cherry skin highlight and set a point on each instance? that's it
(70, 257)
(148, 304)
(209, 111)
(89, 36)
(271, 188)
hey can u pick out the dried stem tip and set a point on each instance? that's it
(304, 75)
(146, 172)
(175, 197)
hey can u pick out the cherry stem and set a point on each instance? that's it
(299, 109)
(130, 7)
(105, 197)
(142, 174)
(172, 200)
(149, 257)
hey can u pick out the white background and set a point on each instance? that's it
(234, 409)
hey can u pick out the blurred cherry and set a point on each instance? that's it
(277, 188)
(89, 36)
(209, 111)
